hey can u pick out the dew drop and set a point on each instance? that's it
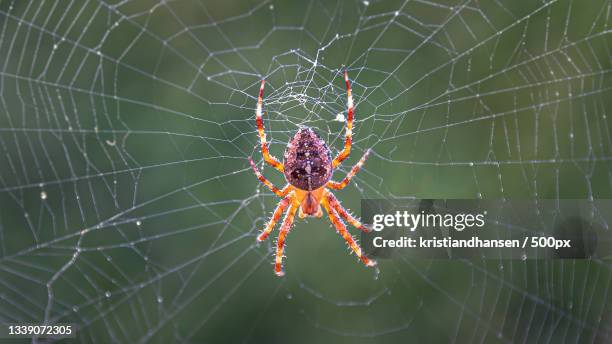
(43, 195)
(160, 299)
(75, 309)
(138, 223)
(107, 294)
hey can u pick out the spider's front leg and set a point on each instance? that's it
(349, 125)
(262, 134)
(280, 243)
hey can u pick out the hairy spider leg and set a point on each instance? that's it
(335, 204)
(349, 125)
(341, 228)
(266, 182)
(282, 236)
(280, 209)
(262, 134)
(340, 185)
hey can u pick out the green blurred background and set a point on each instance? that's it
(128, 207)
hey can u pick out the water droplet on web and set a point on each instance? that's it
(376, 273)
(271, 7)
(138, 223)
(289, 296)
(570, 305)
(501, 267)
(524, 256)
(43, 195)
(160, 299)
(54, 46)
(107, 294)
(75, 309)
(499, 335)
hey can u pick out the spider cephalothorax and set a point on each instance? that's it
(308, 168)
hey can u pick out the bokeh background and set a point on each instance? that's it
(127, 205)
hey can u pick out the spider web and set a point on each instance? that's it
(128, 206)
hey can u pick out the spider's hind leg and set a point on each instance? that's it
(335, 204)
(280, 243)
(341, 228)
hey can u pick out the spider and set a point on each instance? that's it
(308, 168)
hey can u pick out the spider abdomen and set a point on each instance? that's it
(307, 160)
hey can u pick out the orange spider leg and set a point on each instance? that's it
(335, 204)
(280, 243)
(341, 228)
(262, 135)
(340, 185)
(277, 191)
(282, 205)
(349, 125)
